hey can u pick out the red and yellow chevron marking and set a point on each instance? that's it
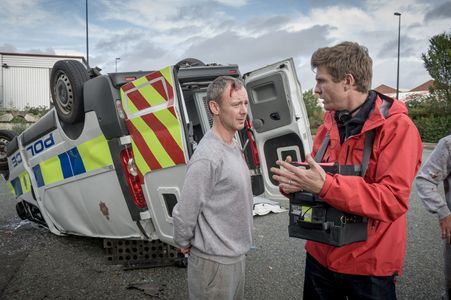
(152, 121)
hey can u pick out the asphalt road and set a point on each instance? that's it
(39, 265)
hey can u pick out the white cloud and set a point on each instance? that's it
(68, 52)
(8, 48)
(18, 12)
(234, 3)
(147, 34)
(230, 47)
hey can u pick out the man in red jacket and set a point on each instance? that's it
(367, 269)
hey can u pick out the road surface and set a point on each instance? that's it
(39, 265)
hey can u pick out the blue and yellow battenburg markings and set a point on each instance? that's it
(20, 185)
(86, 157)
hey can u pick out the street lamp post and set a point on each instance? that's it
(87, 40)
(399, 43)
(115, 63)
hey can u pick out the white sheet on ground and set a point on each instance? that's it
(263, 206)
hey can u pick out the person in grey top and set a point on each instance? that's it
(438, 169)
(213, 219)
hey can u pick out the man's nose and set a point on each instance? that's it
(317, 90)
(243, 109)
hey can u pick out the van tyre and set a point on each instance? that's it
(66, 84)
(5, 137)
(22, 211)
(190, 62)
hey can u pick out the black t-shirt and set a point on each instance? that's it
(355, 124)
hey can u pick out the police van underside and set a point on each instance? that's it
(109, 159)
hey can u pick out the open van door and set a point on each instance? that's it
(156, 127)
(279, 117)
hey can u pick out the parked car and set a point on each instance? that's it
(109, 159)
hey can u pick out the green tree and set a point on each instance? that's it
(314, 111)
(431, 115)
(437, 61)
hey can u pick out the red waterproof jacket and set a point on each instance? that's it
(382, 195)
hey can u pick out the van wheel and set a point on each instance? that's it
(189, 62)
(21, 210)
(66, 84)
(5, 137)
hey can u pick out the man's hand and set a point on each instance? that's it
(293, 179)
(185, 250)
(445, 226)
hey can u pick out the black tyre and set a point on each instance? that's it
(66, 85)
(5, 137)
(190, 62)
(21, 210)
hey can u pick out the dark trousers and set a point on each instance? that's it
(321, 283)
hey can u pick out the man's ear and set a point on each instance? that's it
(348, 81)
(214, 107)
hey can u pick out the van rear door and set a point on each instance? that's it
(155, 123)
(279, 118)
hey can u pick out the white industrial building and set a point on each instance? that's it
(25, 79)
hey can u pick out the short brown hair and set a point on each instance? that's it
(216, 89)
(346, 58)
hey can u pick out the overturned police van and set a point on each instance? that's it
(109, 159)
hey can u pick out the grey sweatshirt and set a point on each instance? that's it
(214, 214)
(436, 169)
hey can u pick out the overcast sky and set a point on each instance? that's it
(150, 34)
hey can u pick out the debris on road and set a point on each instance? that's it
(151, 289)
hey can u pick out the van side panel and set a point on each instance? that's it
(75, 181)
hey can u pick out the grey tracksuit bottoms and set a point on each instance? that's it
(210, 280)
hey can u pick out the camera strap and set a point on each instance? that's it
(369, 138)
(322, 150)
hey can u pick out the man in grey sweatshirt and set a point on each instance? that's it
(213, 219)
(438, 169)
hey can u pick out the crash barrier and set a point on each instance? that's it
(136, 254)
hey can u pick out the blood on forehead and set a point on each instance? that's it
(233, 87)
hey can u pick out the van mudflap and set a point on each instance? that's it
(140, 254)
